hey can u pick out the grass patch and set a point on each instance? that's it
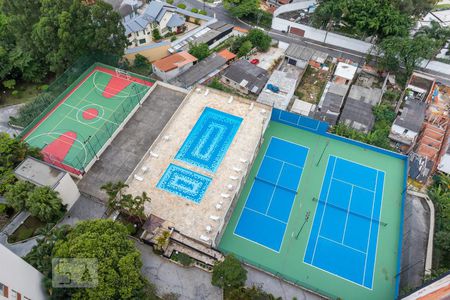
(312, 85)
(441, 7)
(182, 258)
(22, 93)
(27, 230)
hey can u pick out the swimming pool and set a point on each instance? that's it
(184, 183)
(209, 140)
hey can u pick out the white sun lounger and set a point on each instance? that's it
(225, 195)
(230, 100)
(218, 206)
(234, 177)
(138, 178)
(230, 187)
(237, 169)
(204, 238)
(243, 160)
(154, 154)
(215, 218)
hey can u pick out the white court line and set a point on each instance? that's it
(344, 245)
(266, 215)
(251, 188)
(348, 212)
(353, 185)
(73, 107)
(370, 229)
(275, 188)
(285, 162)
(323, 212)
(296, 123)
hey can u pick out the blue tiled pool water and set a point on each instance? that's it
(184, 183)
(209, 140)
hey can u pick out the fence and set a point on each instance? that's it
(94, 143)
(48, 96)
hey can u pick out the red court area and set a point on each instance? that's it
(73, 132)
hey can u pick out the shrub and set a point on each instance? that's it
(182, 6)
(9, 84)
(173, 38)
(130, 228)
(2, 208)
(182, 258)
(43, 87)
(194, 10)
(203, 12)
(169, 1)
(229, 274)
(15, 93)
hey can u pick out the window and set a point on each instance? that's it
(142, 41)
(3, 290)
(13, 294)
(405, 131)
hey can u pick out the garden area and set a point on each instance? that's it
(12, 93)
(29, 228)
(6, 214)
(312, 85)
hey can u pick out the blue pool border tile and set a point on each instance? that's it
(199, 181)
(192, 142)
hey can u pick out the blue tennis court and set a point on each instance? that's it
(343, 238)
(268, 206)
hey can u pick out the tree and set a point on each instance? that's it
(17, 194)
(44, 204)
(241, 8)
(182, 6)
(229, 274)
(405, 52)
(245, 48)
(435, 31)
(49, 35)
(252, 293)
(142, 63)
(200, 51)
(259, 39)
(135, 206)
(13, 151)
(118, 261)
(156, 35)
(114, 190)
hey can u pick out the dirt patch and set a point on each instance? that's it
(312, 85)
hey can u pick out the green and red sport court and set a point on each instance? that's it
(80, 123)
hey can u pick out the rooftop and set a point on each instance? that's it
(154, 11)
(174, 61)
(201, 70)
(412, 115)
(299, 52)
(228, 55)
(331, 102)
(286, 81)
(345, 71)
(188, 217)
(39, 172)
(357, 112)
(247, 75)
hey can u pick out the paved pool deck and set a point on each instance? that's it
(188, 217)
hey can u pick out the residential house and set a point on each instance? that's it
(344, 73)
(280, 87)
(357, 112)
(18, 279)
(407, 125)
(41, 173)
(173, 65)
(203, 70)
(245, 77)
(212, 35)
(330, 103)
(156, 15)
(301, 56)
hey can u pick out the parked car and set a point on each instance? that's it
(254, 61)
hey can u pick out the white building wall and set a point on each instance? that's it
(68, 190)
(19, 276)
(399, 130)
(163, 23)
(444, 164)
(166, 76)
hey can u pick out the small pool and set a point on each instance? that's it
(184, 183)
(209, 140)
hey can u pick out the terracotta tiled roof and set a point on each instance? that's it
(227, 54)
(174, 61)
(240, 29)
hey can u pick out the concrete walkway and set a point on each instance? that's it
(5, 113)
(188, 283)
(21, 248)
(192, 283)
